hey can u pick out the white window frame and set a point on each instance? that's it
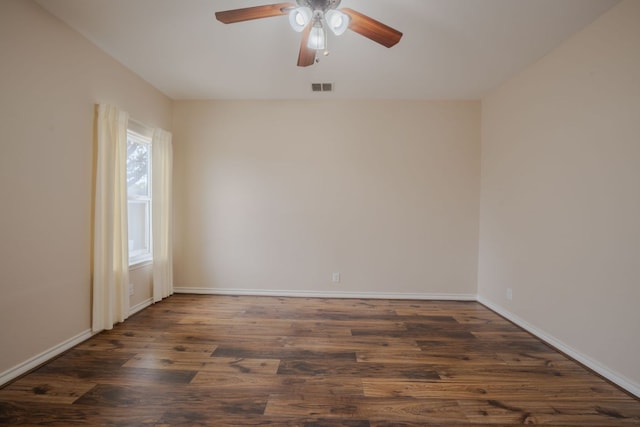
(144, 255)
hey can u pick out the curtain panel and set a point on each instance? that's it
(110, 235)
(162, 214)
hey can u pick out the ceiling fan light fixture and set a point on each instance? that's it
(337, 21)
(299, 18)
(317, 39)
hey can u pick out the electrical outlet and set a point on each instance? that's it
(131, 289)
(509, 294)
(335, 277)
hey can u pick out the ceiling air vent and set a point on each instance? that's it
(322, 87)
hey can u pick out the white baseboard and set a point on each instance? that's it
(612, 376)
(140, 306)
(56, 350)
(322, 294)
(43, 357)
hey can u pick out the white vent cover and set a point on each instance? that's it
(322, 87)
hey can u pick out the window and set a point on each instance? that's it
(139, 197)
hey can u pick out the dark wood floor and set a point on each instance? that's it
(227, 361)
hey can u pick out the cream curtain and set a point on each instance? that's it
(110, 251)
(161, 212)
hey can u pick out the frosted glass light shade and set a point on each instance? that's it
(337, 21)
(316, 39)
(299, 18)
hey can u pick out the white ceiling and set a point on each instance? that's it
(451, 49)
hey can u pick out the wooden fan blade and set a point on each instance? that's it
(306, 56)
(372, 29)
(256, 12)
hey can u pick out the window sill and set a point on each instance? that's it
(140, 264)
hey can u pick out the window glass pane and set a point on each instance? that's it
(139, 194)
(138, 226)
(137, 169)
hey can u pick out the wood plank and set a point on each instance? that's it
(157, 344)
(198, 363)
(282, 353)
(486, 388)
(64, 415)
(429, 412)
(329, 385)
(478, 359)
(156, 398)
(359, 370)
(120, 376)
(47, 389)
(566, 412)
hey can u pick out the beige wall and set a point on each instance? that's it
(278, 195)
(50, 79)
(141, 277)
(560, 197)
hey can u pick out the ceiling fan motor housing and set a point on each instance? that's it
(322, 5)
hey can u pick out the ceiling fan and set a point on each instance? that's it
(312, 18)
